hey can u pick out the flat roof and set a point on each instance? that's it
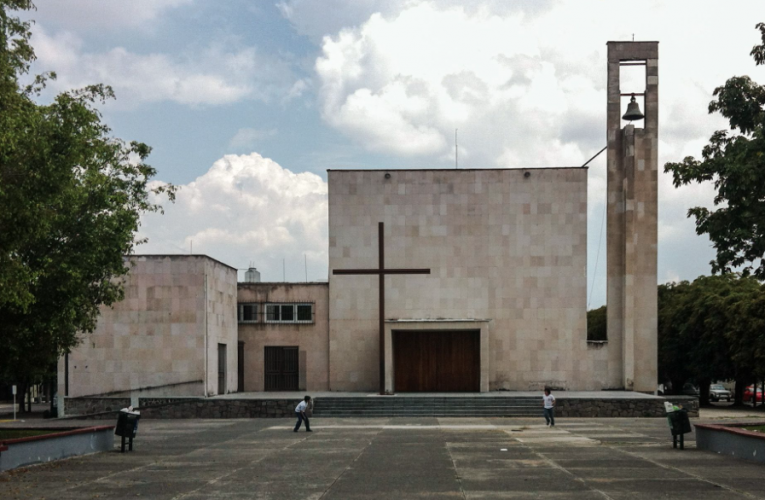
(271, 283)
(438, 320)
(521, 169)
(178, 255)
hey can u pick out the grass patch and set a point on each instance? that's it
(6, 434)
(755, 428)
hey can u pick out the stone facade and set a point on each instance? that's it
(312, 338)
(89, 406)
(166, 331)
(169, 408)
(632, 207)
(218, 408)
(504, 245)
(625, 408)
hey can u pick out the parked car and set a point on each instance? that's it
(717, 393)
(690, 390)
(748, 394)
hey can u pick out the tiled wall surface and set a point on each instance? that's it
(505, 245)
(312, 339)
(156, 335)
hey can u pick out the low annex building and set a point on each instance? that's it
(439, 281)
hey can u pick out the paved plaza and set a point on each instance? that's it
(395, 459)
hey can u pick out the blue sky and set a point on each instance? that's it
(247, 103)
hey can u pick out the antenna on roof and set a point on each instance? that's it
(305, 259)
(456, 150)
(191, 247)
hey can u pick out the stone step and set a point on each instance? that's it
(468, 406)
(367, 414)
(323, 405)
(426, 402)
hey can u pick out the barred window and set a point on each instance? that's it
(289, 313)
(248, 313)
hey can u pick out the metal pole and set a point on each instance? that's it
(14, 403)
(380, 240)
(66, 374)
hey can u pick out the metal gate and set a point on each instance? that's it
(240, 366)
(282, 373)
(221, 368)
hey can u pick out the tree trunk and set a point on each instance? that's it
(677, 386)
(21, 394)
(704, 392)
(738, 392)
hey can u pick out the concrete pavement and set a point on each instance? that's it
(396, 458)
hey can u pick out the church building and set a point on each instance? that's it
(440, 280)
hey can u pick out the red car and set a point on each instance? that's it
(748, 394)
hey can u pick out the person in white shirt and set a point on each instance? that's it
(548, 401)
(301, 415)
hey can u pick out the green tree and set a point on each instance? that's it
(596, 324)
(735, 162)
(673, 345)
(71, 197)
(705, 330)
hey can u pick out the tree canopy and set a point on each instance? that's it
(711, 329)
(71, 197)
(735, 162)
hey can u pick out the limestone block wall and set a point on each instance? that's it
(506, 245)
(156, 336)
(632, 208)
(220, 324)
(311, 339)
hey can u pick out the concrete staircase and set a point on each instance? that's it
(414, 406)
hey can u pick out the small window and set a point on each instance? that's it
(304, 312)
(248, 313)
(289, 313)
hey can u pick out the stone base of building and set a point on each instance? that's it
(364, 406)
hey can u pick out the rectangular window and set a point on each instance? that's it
(304, 312)
(289, 313)
(248, 313)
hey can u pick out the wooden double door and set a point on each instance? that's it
(282, 369)
(437, 361)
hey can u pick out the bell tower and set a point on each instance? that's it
(632, 211)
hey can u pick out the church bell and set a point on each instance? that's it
(633, 111)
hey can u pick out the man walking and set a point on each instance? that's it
(548, 401)
(300, 410)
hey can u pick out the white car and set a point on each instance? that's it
(717, 393)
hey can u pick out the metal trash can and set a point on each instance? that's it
(679, 425)
(127, 427)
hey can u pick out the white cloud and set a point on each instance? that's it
(524, 90)
(217, 75)
(247, 209)
(525, 86)
(248, 138)
(99, 14)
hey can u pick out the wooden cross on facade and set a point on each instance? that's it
(381, 272)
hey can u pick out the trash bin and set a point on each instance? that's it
(127, 427)
(679, 425)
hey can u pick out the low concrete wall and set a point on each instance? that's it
(730, 439)
(632, 408)
(194, 407)
(195, 388)
(66, 443)
(89, 406)
(217, 408)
